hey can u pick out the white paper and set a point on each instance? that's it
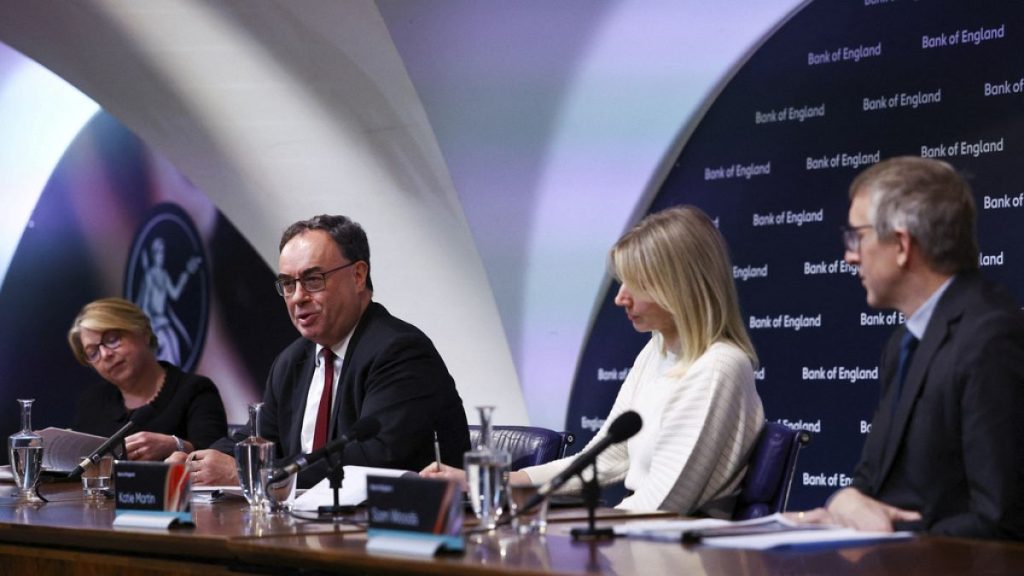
(799, 537)
(785, 532)
(665, 530)
(64, 449)
(352, 492)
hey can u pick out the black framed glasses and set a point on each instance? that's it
(311, 281)
(111, 340)
(851, 236)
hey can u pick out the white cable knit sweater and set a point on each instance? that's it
(698, 432)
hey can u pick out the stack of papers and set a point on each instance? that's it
(775, 531)
(352, 492)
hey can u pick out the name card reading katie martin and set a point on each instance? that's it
(151, 494)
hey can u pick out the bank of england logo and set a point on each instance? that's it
(166, 275)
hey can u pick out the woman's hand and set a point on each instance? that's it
(149, 446)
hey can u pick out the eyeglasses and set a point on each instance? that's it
(111, 340)
(851, 236)
(311, 282)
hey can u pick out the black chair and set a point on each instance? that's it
(770, 471)
(528, 445)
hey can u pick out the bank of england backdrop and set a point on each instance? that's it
(835, 89)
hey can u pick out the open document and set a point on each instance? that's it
(775, 531)
(64, 449)
(352, 492)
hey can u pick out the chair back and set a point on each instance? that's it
(770, 471)
(528, 445)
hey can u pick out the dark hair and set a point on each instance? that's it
(349, 236)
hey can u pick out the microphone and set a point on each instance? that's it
(141, 415)
(622, 428)
(363, 429)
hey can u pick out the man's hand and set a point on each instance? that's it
(209, 467)
(849, 507)
(149, 446)
(444, 472)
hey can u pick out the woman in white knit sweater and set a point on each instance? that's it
(693, 383)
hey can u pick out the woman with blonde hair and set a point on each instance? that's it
(115, 338)
(692, 384)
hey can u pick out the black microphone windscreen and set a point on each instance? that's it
(625, 426)
(364, 428)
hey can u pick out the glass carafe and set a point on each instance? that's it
(25, 452)
(486, 473)
(252, 455)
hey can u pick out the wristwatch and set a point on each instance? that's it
(179, 443)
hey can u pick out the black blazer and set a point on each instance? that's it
(954, 450)
(392, 371)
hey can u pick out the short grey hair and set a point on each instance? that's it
(931, 201)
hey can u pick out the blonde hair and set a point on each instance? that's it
(109, 314)
(678, 258)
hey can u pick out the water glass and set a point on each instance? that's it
(279, 494)
(533, 520)
(96, 481)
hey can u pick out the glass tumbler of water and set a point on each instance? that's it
(96, 478)
(25, 452)
(279, 493)
(252, 455)
(486, 474)
(532, 520)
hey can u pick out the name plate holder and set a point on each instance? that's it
(413, 516)
(154, 495)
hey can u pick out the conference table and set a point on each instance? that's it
(70, 535)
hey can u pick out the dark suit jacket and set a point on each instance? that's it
(391, 371)
(954, 450)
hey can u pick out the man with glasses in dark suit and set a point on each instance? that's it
(944, 454)
(353, 360)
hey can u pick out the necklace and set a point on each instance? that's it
(156, 392)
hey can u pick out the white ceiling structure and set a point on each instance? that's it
(492, 150)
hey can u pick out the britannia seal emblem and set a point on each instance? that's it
(166, 276)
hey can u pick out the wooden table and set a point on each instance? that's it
(70, 536)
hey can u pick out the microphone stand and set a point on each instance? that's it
(335, 476)
(591, 494)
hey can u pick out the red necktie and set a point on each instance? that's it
(323, 413)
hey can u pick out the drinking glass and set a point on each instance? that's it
(96, 478)
(486, 474)
(25, 452)
(279, 494)
(533, 520)
(252, 455)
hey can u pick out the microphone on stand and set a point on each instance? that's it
(363, 429)
(622, 428)
(140, 416)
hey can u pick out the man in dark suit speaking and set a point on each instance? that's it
(354, 360)
(946, 449)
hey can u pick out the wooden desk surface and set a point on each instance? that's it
(79, 538)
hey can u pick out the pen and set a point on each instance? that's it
(437, 451)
